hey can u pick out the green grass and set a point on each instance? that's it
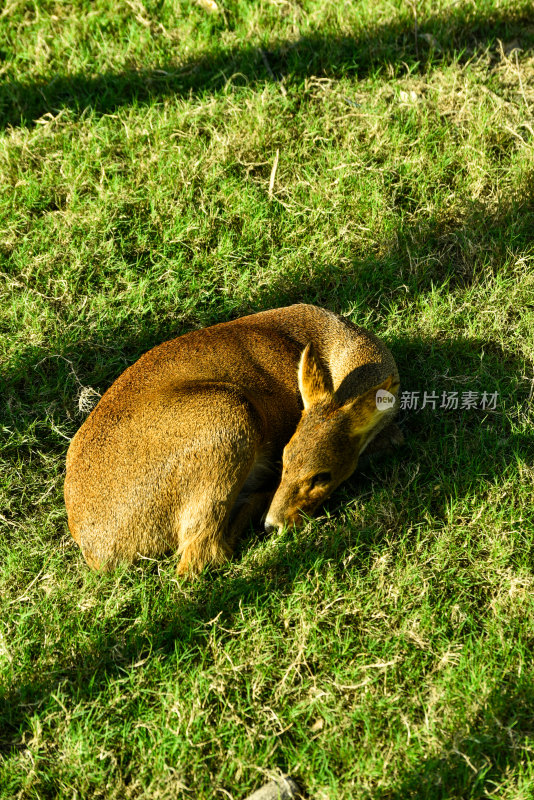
(385, 651)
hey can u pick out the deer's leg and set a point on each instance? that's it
(250, 512)
(385, 441)
(206, 522)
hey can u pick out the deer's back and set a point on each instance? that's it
(163, 400)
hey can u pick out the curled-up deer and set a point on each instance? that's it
(183, 450)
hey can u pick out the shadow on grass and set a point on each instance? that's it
(474, 766)
(486, 450)
(416, 259)
(460, 33)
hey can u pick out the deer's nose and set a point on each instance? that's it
(269, 527)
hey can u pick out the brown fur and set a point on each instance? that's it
(181, 452)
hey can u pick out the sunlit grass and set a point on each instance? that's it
(385, 651)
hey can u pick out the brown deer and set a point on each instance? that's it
(181, 452)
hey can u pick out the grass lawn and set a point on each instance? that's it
(163, 168)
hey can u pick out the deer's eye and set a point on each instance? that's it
(321, 479)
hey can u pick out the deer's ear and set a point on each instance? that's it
(315, 383)
(365, 411)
